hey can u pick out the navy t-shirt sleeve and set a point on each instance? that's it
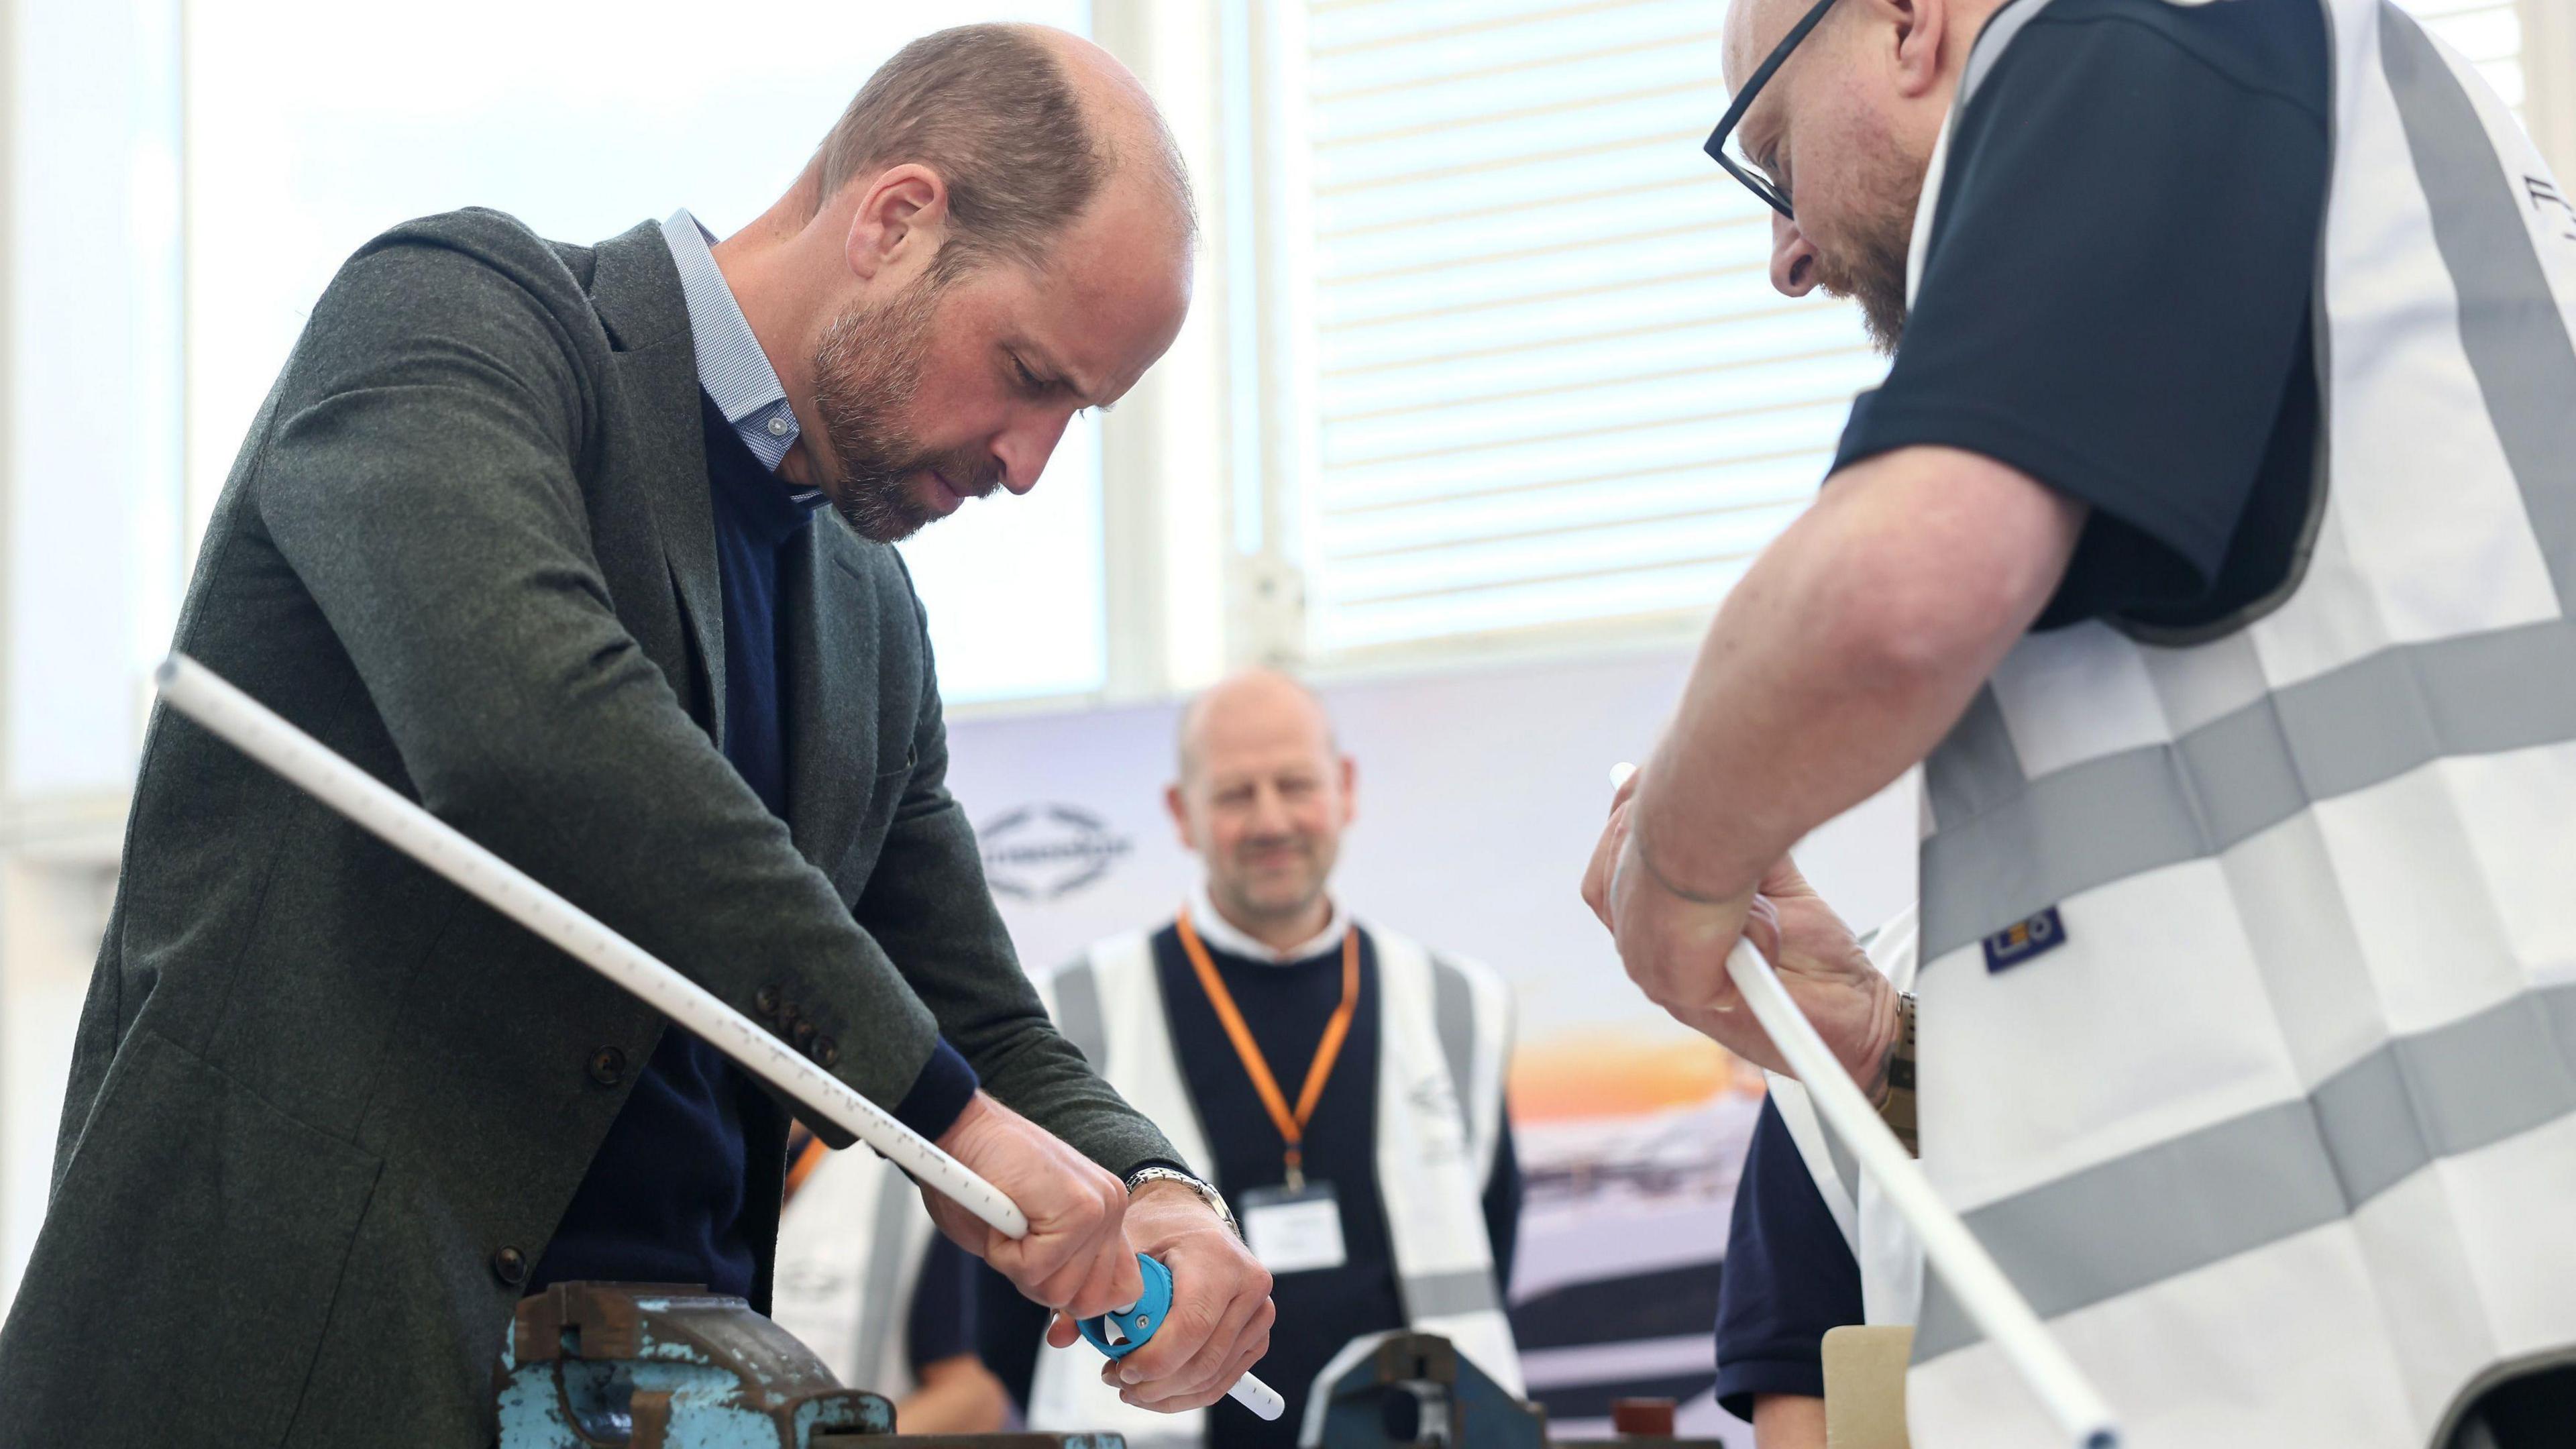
(939, 1323)
(1788, 1277)
(2117, 286)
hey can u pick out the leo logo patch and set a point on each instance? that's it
(2024, 939)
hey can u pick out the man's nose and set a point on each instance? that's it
(1270, 814)
(1024, 448)
(1793, 258)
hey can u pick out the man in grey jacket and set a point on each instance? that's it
(525, 530)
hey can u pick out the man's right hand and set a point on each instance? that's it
(1675, 947)
(1075, 1258)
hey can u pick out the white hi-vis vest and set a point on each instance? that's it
(850, 1247)
(1890, 1256)
(2281, 1136)
(1444, 1034)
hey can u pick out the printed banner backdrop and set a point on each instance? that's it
(1480, 796)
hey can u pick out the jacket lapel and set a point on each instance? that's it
(637, 292)
(832, 695)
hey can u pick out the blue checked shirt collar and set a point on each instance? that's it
(731, 366)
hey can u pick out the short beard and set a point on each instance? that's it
(1871, 269)
(866, 369)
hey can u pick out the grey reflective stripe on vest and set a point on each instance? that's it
(1453, 1012)
(1077, 1012)
(1446, 1295)
(2516, 339)
(2253, 1180)
(878, 1312)
(2345, 730)
(2007, 847)
(1453, 1007)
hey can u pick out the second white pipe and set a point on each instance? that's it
(1988, 1297)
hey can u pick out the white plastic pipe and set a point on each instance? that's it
(259, 732)
(1992, 1303)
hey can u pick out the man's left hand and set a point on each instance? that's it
(1219, 1325)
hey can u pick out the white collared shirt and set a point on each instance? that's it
(1221, 934)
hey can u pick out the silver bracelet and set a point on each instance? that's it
(1207, 1194)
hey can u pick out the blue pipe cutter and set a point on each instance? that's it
(1120, 1334)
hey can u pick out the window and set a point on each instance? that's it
(1550, 380)
(315, 125)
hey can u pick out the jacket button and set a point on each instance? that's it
(827, 1051)
(510, 1266)
(766, 998)
(803, 1034)
(608, 1066)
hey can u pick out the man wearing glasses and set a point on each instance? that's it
(2217, 531)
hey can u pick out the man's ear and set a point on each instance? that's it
(1350, 789)
(1180, 809)
(900, 214)
(1921, 27)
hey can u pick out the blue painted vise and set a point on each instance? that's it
(656, 1366)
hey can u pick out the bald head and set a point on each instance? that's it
(1027, 126)
(1256, 702)
(1128, 125)
(1263, 797)
(1752, 28)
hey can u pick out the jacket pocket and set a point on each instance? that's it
(187, 1266)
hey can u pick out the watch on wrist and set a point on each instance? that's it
(1897, 1109)
(1207, 1194)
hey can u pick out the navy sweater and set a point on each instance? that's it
(663, 1201)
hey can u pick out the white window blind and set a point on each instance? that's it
(1552, 382)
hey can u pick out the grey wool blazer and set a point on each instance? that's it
(324, 1107)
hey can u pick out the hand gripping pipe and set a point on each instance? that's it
(1991, 1301)
(257, 731)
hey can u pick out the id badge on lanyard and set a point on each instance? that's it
(1294, 1229)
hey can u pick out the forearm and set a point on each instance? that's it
(928, 907)
(1788, 1421)
(1844, 655)
(957, 1396)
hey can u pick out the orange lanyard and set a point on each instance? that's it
(805, 1152)
(1292, 1125)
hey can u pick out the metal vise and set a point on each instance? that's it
(1416, 1389)
(658, 1366)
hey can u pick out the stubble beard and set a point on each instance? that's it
(1870, 269)
(1242, 900)
(867, 367)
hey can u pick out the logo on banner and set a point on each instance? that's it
(1047, 852)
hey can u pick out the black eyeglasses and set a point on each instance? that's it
(1744, 171)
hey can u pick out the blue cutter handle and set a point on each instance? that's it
(1137, 1323)
(1137, 1326)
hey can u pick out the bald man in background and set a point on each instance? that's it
(1341, 1085)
